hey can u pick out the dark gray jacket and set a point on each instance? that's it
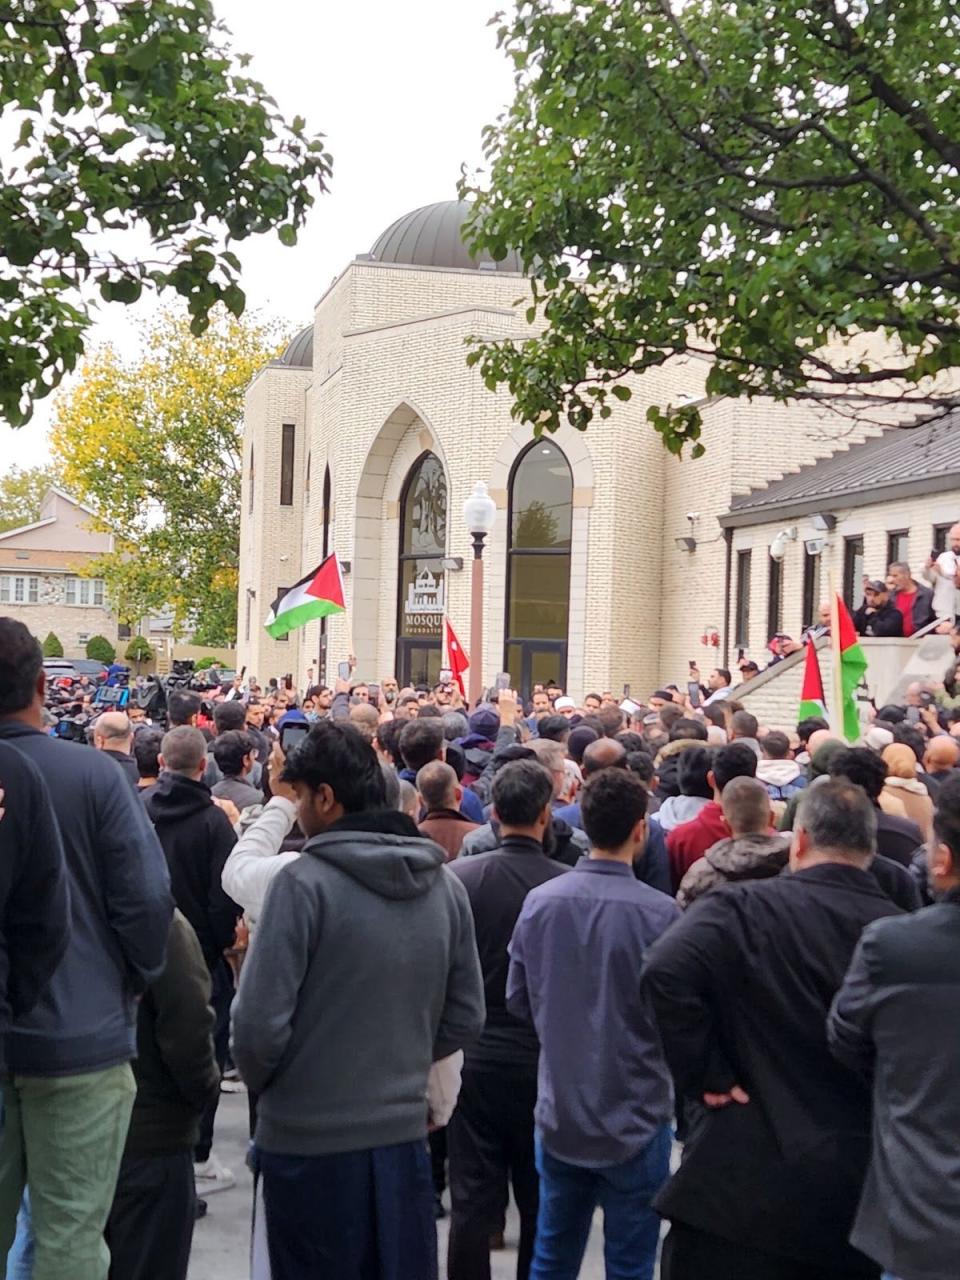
(896, 1019)
(120, 912)
(364, 972)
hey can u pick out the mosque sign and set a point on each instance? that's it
(424, 605)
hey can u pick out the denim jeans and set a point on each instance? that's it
(569, 1194)
(20, 1257)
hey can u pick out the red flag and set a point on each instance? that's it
(457, 659)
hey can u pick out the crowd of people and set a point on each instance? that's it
(452, 951)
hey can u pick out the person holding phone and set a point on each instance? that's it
(942, 571)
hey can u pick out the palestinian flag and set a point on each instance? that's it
(853, 663)
(811, 693)
(317, 595)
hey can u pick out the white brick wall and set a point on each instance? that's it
(390, 379)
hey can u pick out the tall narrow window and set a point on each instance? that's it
(282, 591)
(811, 588)
(288, 441)
(742, 621)
(246, 624)
(421, 588)
(852, 571)
(898, 546)
(306, 483)
(250, 486)
(538, 567)
(774, 597)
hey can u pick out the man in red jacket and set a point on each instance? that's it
(690, 840)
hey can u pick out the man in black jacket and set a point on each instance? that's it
(877, 615)
(34, 900)
(70, 1089)
(895, 1021)
(490, 1136)
(150, 1227)
(740, 986)
(197, 837)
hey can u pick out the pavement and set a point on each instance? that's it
(221, 1240)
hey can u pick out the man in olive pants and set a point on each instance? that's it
(69, 1088)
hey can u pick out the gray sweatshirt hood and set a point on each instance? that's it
(392, 866)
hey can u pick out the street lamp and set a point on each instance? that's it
(479, 514)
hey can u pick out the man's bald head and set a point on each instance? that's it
(746, 806)
(818, 738)
(113, 732)
(603, 754)
(437, 784)
(942, 753)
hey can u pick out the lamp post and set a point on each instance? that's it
(479, 514)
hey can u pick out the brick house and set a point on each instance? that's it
(41, 575)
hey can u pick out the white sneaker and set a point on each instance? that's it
(211, 1176)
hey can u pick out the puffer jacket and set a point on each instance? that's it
(755, 856)
(668, 761)
(782, 778)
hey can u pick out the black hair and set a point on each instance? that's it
(892, 714)
(611, 804)
(744, 723)
(862, 767)
(521, 791)
(182, 706)
(692, 769)
(715, 714)
(388, 735)
(592, 722)
(335, 754)
(554, 728)
(430, 711)
(735, 760)
(686, 728)
(230, 715)
(230, 749)
(146, 752)
(670, 713)
(21, 661)
(580, 738)
(775, 745)
(946, 817)
(911, 737)
(641, 763)
(806, 728)
(612, 720)
(421, 741)
(631, 741)
(722, 671)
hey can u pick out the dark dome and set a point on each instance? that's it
(431, 237)
(299, 352)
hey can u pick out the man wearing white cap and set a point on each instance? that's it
(566, 707)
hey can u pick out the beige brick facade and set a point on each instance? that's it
(389, 381)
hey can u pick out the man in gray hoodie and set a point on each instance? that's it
(364, 973)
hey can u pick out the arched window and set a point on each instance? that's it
(250, 490)
(538, 566)
(421, 585)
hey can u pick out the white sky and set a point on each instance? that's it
(401, 92)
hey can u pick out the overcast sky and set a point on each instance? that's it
(401, 91)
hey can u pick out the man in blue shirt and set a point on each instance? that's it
(605, 1099)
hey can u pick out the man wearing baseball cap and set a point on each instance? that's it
(878, 615)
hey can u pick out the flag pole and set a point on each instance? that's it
(835, 713)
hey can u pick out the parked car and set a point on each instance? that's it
(60, 669)
(90, 667)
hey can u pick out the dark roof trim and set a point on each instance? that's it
(841, 499)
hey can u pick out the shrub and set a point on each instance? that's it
(139, 650)
(100, 649)
(52, 648)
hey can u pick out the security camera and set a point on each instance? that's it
(778, 547)
(693, 515)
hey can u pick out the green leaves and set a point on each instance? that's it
(149, 125)
(745, 184)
